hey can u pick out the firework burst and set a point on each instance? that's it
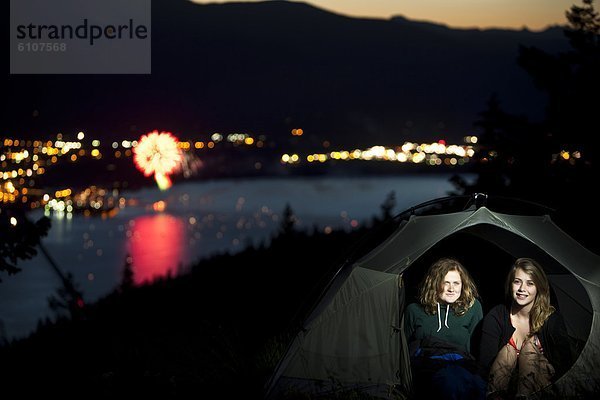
(158, 154)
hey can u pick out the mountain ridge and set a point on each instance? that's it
(269, 67)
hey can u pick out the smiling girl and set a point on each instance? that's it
(524, 342)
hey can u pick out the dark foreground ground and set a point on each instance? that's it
(216, 332)
(219, 329)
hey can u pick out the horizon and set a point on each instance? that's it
(535, 15)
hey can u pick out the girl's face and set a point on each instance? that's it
(451, 288)
(523, 288)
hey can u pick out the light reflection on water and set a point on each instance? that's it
(157, 247)
(200, 219)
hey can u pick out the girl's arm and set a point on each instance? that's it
(491, 336)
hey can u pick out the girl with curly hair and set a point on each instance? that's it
(439, 328)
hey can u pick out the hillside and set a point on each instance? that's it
(268, 67)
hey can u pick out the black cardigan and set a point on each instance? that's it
(497, 330)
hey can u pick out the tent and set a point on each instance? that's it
(352, 339)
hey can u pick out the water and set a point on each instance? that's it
(200, 219)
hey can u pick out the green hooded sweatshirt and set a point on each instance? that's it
(444, 324)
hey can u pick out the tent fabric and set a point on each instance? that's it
(349, 328)
(352, 336)
(366, 298)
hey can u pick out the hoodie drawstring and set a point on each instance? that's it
(439, 313)
(446, 320)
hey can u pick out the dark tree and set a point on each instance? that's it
(127, 276)
(288, 221)
(19, 237)
(572, 83)
(584, 27)
(68, 298)
(511, 152)
(388, 206)
(553, 162)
